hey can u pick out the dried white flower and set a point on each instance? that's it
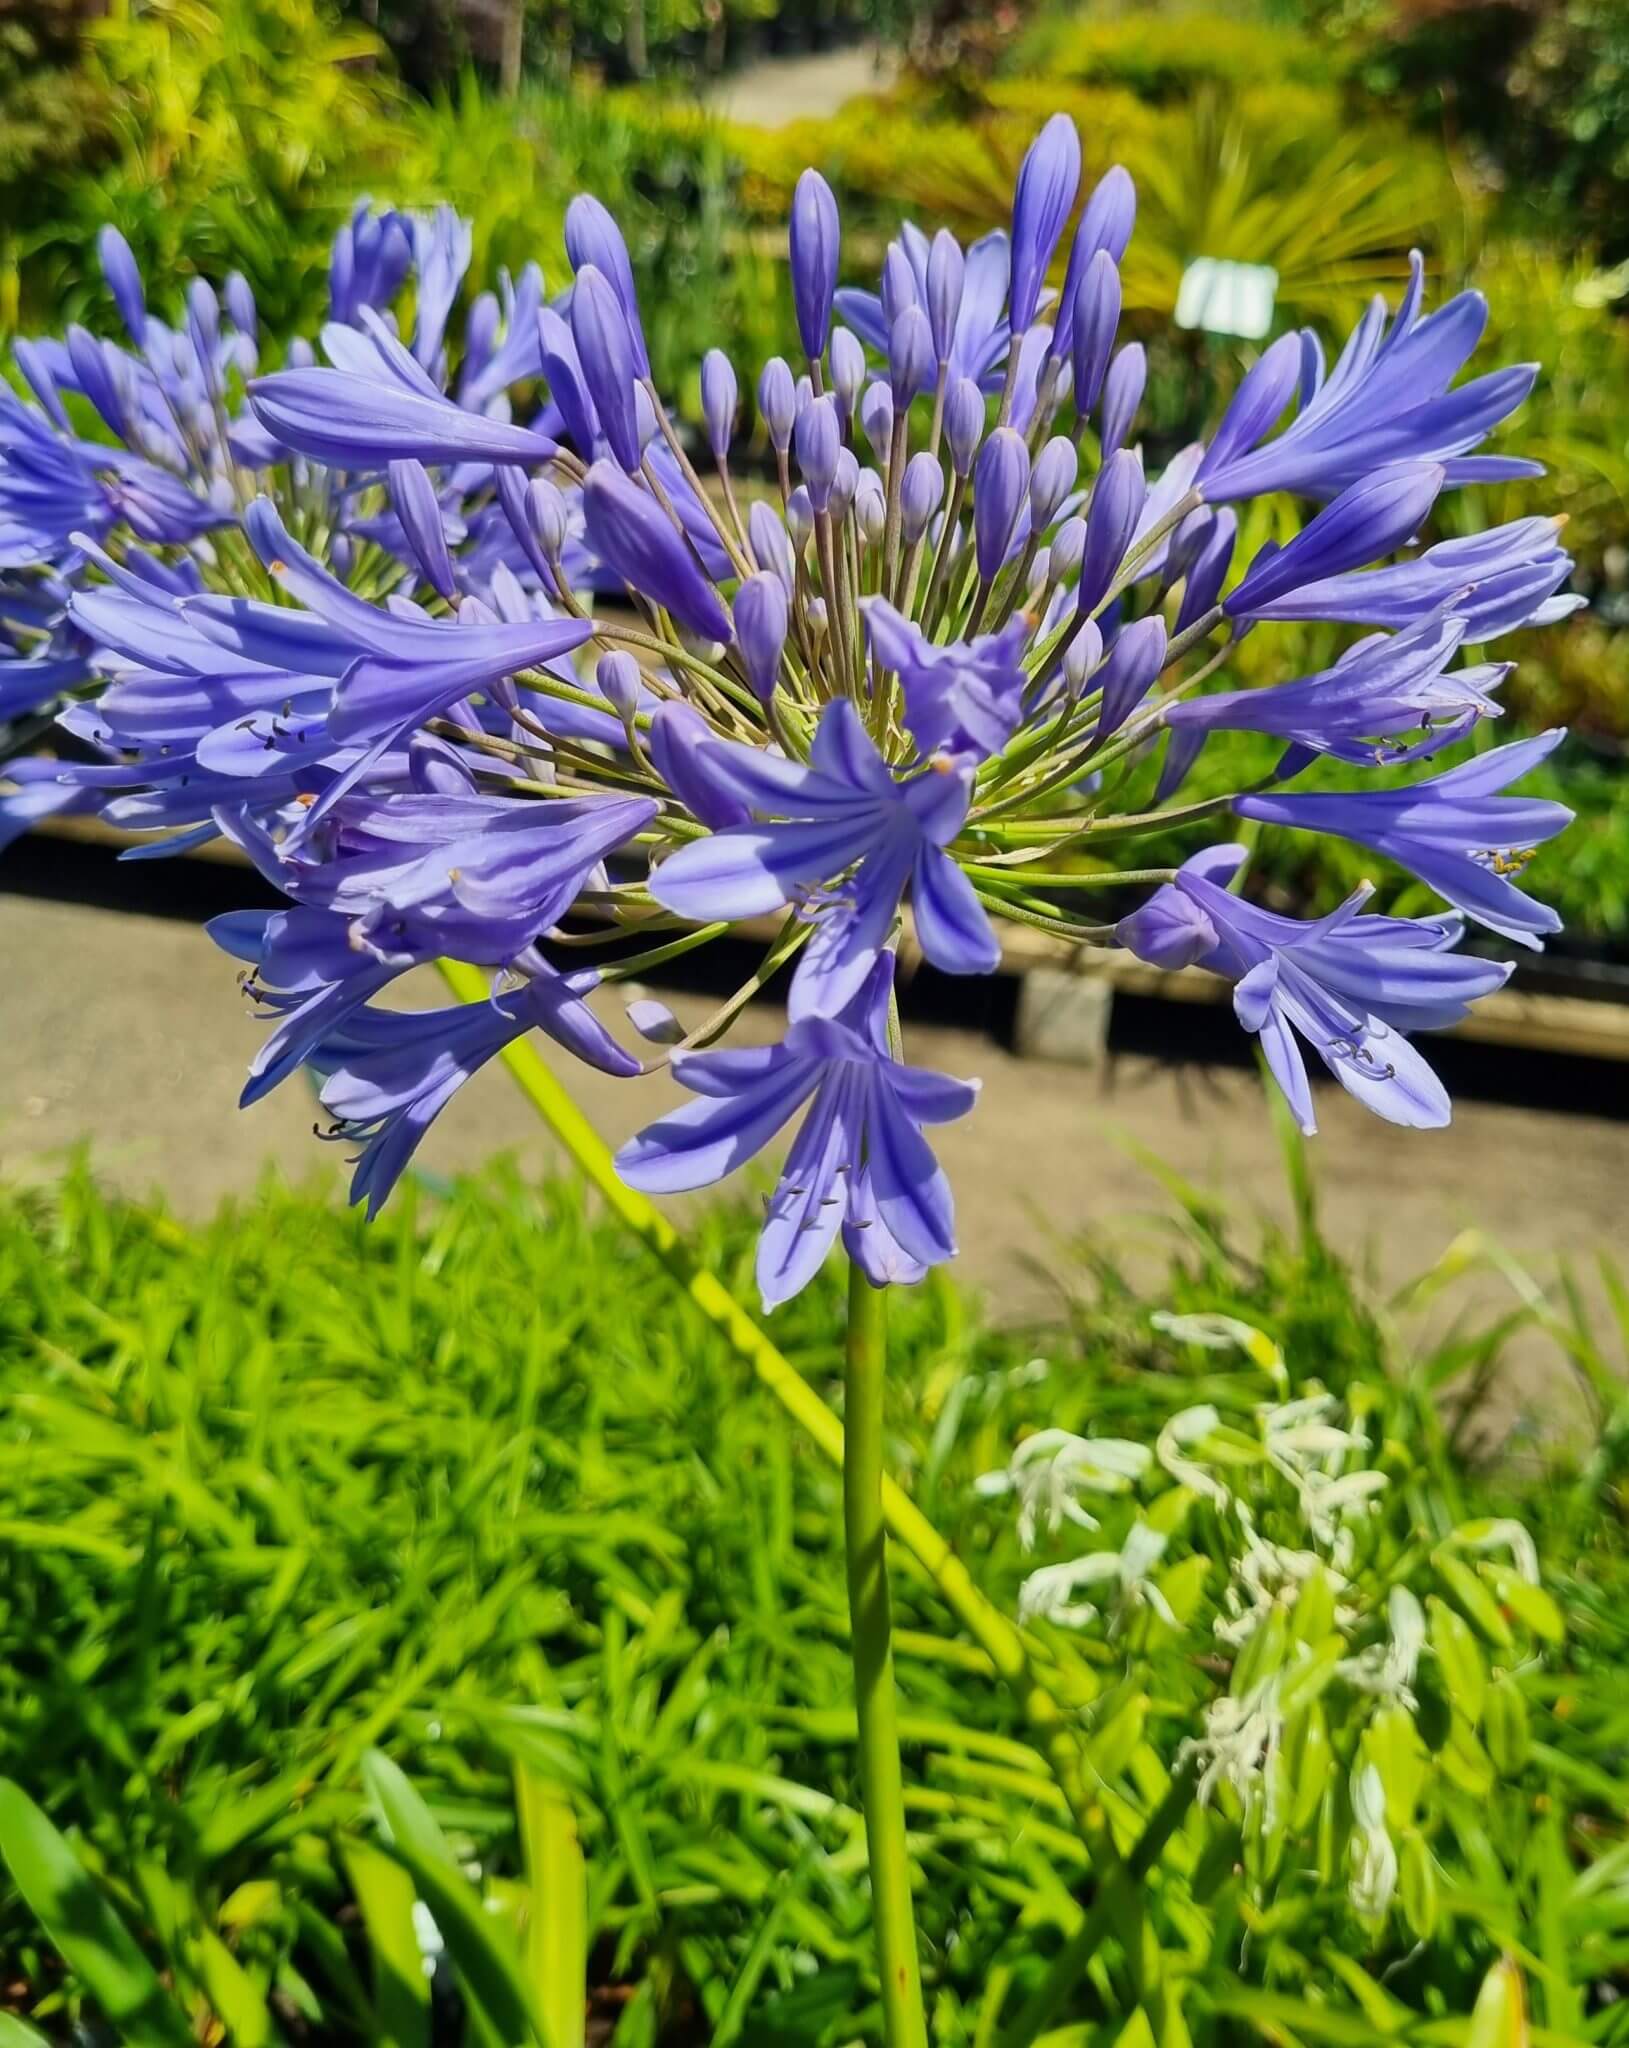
(1388, 1670)
(1050, 1470)
(1268, 1575)
(1187, 1427)
(1240, 1747)
(1374, 1859)
(1221, 1333)
(1502, 1535)
(1049, 1594)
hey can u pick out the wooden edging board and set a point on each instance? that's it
(1579, 1026)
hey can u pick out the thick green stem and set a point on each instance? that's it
(871, 1620)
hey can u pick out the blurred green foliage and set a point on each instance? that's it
(235, 137)
(238, 136)
(1537, 94)
(468, 1489)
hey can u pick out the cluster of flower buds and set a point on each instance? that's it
(451, 676)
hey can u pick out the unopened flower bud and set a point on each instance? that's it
(1051, 481)
(777, 402)
(923, 487)
(813, 237)
(771, 545)
(999, 486)
(816, 618)
(1068, 549)
(635, 539)
(877, 418)
(911, 365)
(240, 303)
(946, 271)
(1117, 503)
(204, 319)
(870, 507)
(1105, 225)
(847, 368)
(719, 397)
(593, 238)
(1134, 661)
(760, 630)
(844, 482)
(1110, 213)
(599, 327)
(1048, 179)
(1096, 316)
(645, 415)
(800, 517)
(567, 385)
(413, 496)
(1081, 656)
(819, 440)
(123, 281)
(550, 520)
(1207, 571)
(618, 677)
(1040, 574)
(964, 423)
(654, 1021)
(898, 284)
(1122, 394)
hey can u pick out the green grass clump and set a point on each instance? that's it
(339, 1562)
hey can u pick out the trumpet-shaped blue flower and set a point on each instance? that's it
(1386, 400)
(1456, 832)
(962, 698)
(1349, 985)
(1495, 581)
(388, 1074)
(859, 1164)
(847, 842)
(1390, 698)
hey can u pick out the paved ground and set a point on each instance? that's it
(128, 1031)
(782, 89)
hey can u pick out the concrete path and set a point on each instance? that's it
(779, 90)
(129, 1032)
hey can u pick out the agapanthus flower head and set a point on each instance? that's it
(488, 671)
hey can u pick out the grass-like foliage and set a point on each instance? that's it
(454, 1562)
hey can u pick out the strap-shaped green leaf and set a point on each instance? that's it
(83, 1927)
(493, 1981)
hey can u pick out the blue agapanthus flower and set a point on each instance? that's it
(477, 651)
